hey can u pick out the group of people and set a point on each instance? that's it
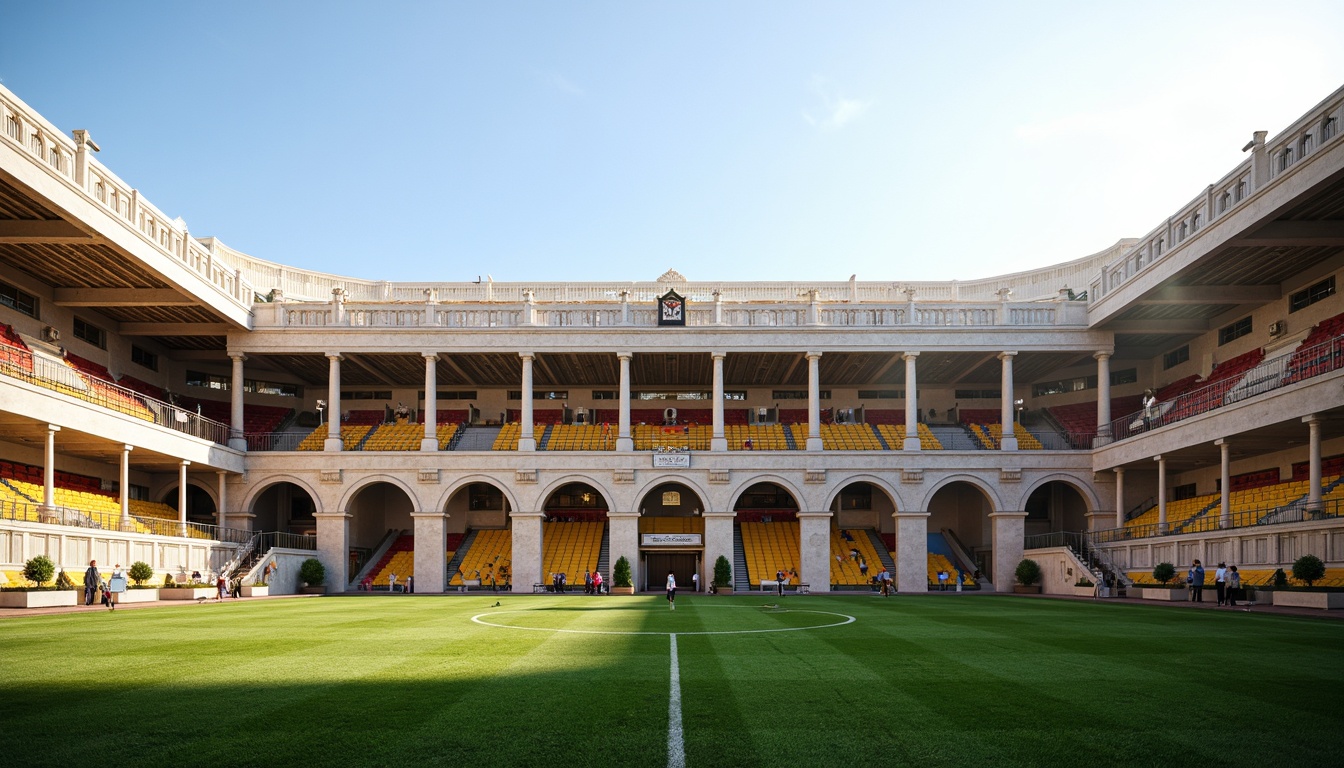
(1226, 581)
(111, 587)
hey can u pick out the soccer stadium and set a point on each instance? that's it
(169, 400)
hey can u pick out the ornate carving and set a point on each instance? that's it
(330, 476)
(528, 476)
(428, 476)
(623, 476)
(912, 476)
(671, 276)
(1010, 475)
(718, 476)
(814, 476)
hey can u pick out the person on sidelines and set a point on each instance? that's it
(91, 582)
(410, 584)
(587, 583)
(391, 583)
(695, 582)
(779, 582)
(1233, 586)
(671, 591)
(221, 587)
(1220, 582)
(1195, 578)
(597, 582)
(942, 580)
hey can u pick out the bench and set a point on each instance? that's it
(772, 585)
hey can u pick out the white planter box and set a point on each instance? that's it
(1322, 600)
(257, 591)
(1178, 595)
(190, 593)
(139, 596)
(1084, 591)
(47, 598)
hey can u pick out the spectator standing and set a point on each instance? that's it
(942, 580)
(1233, 586)
(391, 583)
(863, 568)
(91, 581)
(117, 585)
(597, 582)
(221, 586)
(1220, 582)
(671, 591)
(695, 582)
(779, 582)
(1196, 581)
(587, 583)
(410, 584)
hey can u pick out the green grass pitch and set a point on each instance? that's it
(407, 681)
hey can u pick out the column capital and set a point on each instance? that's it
(826, 515)
(1311, 418)
(1222, 442)
(184, 464)
(53, 428)
(718, 354)
(910, 355)
(430, 355)
(527, 355)
(127, 448)
(899, 515)
(1007, 514)
(221, 472)
(1006, 355)
(1118, 470)
(430, 515)
(333, 355)
(237, 357)
(624, 355)
(1102, 355)
(329, 515)
(1158, 458)
(812, 355)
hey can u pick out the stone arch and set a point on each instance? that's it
(368, 480)
(995, 503)
(168, 493)
(462, 482)
(561, 482)
(874, 480)
(736, 495)
(1084, 490)
(699, 490)
(252, 495)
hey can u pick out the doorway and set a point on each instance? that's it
(681, 564)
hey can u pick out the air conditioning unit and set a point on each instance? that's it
(51, 334)
(1277, 329)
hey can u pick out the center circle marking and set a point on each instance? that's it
(845, 619)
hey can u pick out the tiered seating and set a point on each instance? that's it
(581, 437)
(507, 439)
(969, 416)
(1208, 394)
(367, 417)
(891, 416)
(571, 549)
(1244, 502)
(257, 419)
(792, 416)
(1178, 512)
(445, 434)
(840, 437)
(763, 438)
(651, 437)
(844, 567)
(155, 509)
(399, 559)
(894, 434)
(938, 563)
(99, 379)
(983, 438)
(351, 435)
(672, 524)
(990, 435)
(492, 550)
(770, 547)
(143, 387)
(1315, 355)
(395, 437)
(13, 351)
(1081, 418)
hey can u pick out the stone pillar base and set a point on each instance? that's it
(1008, 444)
(431, 544)
(525, 565)
(814, 550)
(625, 444)
(1009, 531)
(718, 444)
(814, 444)
(528, 443)
(912, 552)
(333, 444)
(429, 444)
(237, 443)
(911, 444)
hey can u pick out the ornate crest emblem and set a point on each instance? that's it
(671, 309)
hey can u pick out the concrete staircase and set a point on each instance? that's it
(741, 579)
(475, 439)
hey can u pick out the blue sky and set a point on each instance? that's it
(613, 141)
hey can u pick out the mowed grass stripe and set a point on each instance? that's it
(928, 681)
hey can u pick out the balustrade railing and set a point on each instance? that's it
(1294, 512)
(59, 377)
(348, 314)
(23, 511)
(1302, 364)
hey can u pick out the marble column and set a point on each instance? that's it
(431, 551)
(814, 550)
(333, 441)
(1161, 494)
(911, 405)
(624, 442)
(1119, 497)
(623, 537)
(49, 469)
(1225, 482)
(718, 442)
(221, 510)
(124, 485)
(1009, 534)
(718, 542)
(430, 442)
(1313, 423)
(182, 496)
(1008, 442)
(527, 439)
(912, 551)
(237, 423)
(527, 550)
(333, 548)
(1103, 398)
(814, 402)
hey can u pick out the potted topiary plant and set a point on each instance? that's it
(1028, 574)
(140, 591)
(1164, 588)
(314, 575)
(1308, 569)
(723, 576)
(620, 578)
(39, 571)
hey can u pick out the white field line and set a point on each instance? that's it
(676, 748)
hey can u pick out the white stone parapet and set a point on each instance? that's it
(608, 313)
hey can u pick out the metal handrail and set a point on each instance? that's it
(1293, 512)
(24, 511)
